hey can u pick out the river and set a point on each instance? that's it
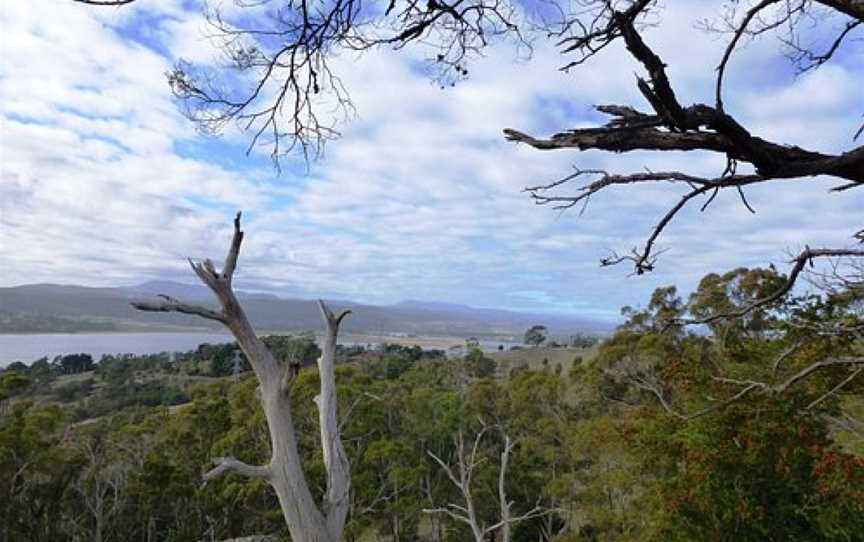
(30, 347)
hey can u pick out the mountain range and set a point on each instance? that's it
(46, 308)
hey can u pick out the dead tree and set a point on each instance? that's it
(673, 126)
(307, 520)
(100, 488)
(278, 82)
(462, 474)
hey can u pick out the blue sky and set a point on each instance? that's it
(105, 183)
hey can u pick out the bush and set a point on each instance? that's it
(73, 391)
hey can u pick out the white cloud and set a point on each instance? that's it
(421, 198)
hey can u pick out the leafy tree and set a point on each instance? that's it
(736, 475)
(535, 336)
(582, 340)
(40, 368)
(74, 391)
(12, 382)
(479, 365)
(18, 367)
(732, 292)
(36, 470)
(665, 434)
(300, 350)
(74, 363)
(220, 358)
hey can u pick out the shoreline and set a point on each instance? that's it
(113, 332)
(28, 347)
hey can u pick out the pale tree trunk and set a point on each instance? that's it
(101, 487)
(502, 494)
(436, 535)
(307, 520)
(462, 475)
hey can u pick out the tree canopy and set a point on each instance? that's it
(751, 431)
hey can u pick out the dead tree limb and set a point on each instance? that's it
(171, 304)
(804, 258)
(656, 390)
(672, 126)
(839, 386)
(307, 520)
(104, 2)
(462, 476)
(749, 387)
(225, 465)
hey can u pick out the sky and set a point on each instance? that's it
(103, 182)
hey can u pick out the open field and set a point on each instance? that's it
(534, 356)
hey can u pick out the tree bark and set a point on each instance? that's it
(307, 520)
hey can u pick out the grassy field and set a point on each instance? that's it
(534, 357)
(427, 343)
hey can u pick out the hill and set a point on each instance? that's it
(52, 307)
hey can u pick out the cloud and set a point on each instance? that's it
(103, 181)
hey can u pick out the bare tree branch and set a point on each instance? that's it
(281, 86)
(173, 305)
(673, 126)
(602, 29)
(805, 257)
(225, 465)
(774, 389)
(653, 388)
(852, 8)
(807, 60)
(104, 2)
(848, 423)
(306, 519)
(836, 388)
(643, 259)
(233, 250)
(648, 382)
(785, 355)
(807, 371)
(721, 69)
(462, 479)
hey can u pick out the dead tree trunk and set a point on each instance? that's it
(462, 476)
(307, 520)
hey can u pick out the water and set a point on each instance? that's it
(30, 347)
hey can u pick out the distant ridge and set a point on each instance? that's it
(492, 314)
(110, 308)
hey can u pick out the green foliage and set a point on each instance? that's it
(12, 383)
(73, 391)
(74, 363)
(36, 470)
(535, 335)
(582, 340)
(479, 366)
(594, 444)
(300, 349)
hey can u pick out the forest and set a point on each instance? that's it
(731, 409)
(750, 429)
